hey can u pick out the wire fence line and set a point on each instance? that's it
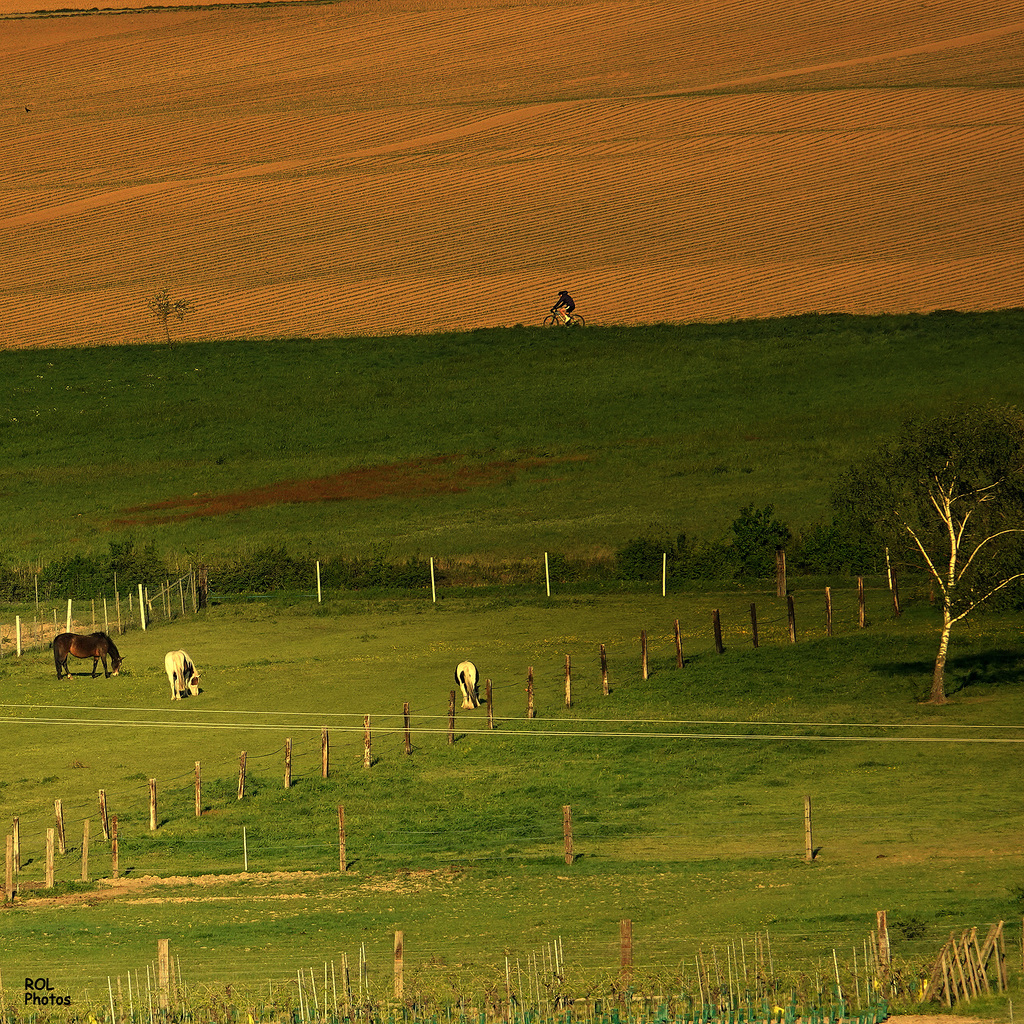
(138, 609)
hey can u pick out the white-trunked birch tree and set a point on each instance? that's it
(947, 496)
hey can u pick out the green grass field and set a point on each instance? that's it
(687, 789)
(572, 442)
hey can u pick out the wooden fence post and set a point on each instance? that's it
(604, 671)
(780, 572)
(85, 850)
(325, 753)
(104, 822)
(408, 735)
(152, 805)
(199, 793)
(643, 653)
(451, 718)
(861, 617)
(163, 973)
(399, 959)
(342, 857)
(241, 775)
(679, 645)
(568, 682)
(49, 858)
(626, 951)
(791, 609)
(113, 846)
(716, 623)
(288, 764)
(883, 941)
(58, 813)
(828, 611)
(529, 693)
(808, 844)
(490, 705)
(567, 833)
(16, 834)
(9, 877)
(367, 747)
(753, 624)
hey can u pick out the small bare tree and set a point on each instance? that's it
(163, 307)
(949, 495)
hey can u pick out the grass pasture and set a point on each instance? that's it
(491, 444)
(687, 792)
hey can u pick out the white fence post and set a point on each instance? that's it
(68, 627)
(17, 630)
(142, 608)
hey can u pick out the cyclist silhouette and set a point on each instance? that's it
(564, 302)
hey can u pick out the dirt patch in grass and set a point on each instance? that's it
(442, 474)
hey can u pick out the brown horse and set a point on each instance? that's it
(96, 646)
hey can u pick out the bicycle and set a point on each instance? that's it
(560, 319)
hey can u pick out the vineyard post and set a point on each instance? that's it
(753, 623)
(325, 753)
(408, 735)
(367, 754)
(716, 623)
(604, 671)
(241, 775)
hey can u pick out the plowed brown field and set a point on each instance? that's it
(310, 169)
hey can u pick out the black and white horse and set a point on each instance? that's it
(182, 674)
(468, 679)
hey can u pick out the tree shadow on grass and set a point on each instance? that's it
(999, 668)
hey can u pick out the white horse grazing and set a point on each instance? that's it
(468, 679)
(182, 674)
